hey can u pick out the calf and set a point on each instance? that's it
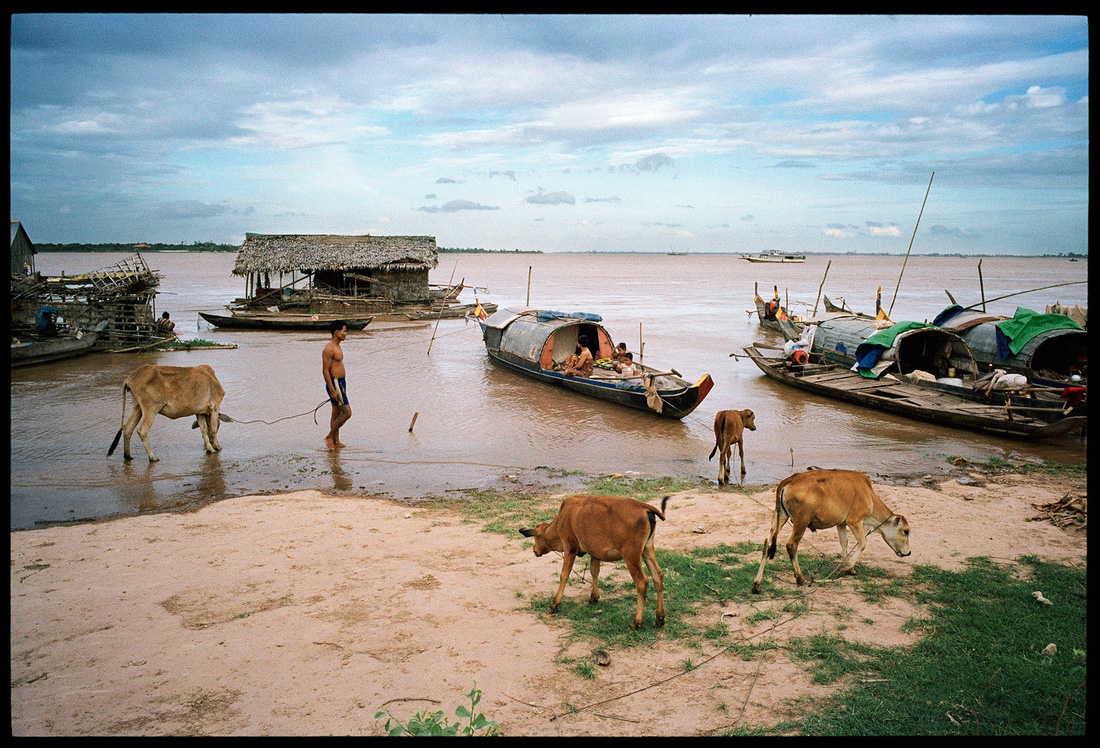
(729, 427)
(607, 528)
(843, 499)
(173, 391)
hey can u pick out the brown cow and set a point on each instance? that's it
(607, 528)
(843, 499)
(729, 428)
(176, 392)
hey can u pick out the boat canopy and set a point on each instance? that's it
(903, 347)
(1028, 340)
(540, 338)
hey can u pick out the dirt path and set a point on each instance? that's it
(300, 614)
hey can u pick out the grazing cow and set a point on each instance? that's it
(729, 428)
(607, 528)
(176, 392)
(843, 499)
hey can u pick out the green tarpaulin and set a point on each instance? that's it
(1027, 324)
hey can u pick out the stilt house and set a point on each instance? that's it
(22, 251)
(328, 273)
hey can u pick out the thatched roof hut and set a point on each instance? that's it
(282, 253)
(394, 266)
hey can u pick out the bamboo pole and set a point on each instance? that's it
(439, 317)
(890, 311)
(529, 285)
(822, 286)
(981, 284)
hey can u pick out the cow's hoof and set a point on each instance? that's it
(660, 621)
(636, 625)
(756, 589)
(128, 458)
(593, 600)
(553, 608)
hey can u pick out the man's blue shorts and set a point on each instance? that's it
(342, 384)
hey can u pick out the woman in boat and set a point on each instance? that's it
(580, 363)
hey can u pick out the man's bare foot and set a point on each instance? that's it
(328, 443)
(340, 444)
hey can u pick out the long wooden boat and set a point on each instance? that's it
(536, 343)
(32, 350)
(911, 399)
(771, 314)
(281, 321)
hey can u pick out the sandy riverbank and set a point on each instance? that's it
(300, 614)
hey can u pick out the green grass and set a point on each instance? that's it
(977, 669)
(1042, 467)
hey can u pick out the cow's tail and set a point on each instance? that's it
(779, 507)
(713, 450)
(114, 444)
(653, 514)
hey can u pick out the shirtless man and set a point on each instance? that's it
(332, 366)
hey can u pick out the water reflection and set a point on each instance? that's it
(341, 481)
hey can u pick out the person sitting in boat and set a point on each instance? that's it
(580, 363)
(166, 328)
(627, 367)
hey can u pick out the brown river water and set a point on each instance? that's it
(478, 426)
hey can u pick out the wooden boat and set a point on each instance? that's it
(449, 311)
(32, 350)
(1048, 347)
(537, 343)
(771, 314)
(774, 255)
(912, 399)
(281, 321)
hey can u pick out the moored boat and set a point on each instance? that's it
(30, 350)
(912, 398)
(537, 343)
(281, 321)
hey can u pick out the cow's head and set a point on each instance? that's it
(895, 531)
(748, 420)
(538, 532)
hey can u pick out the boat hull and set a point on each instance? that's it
(281, 321)
(47, 350)
(911, 400)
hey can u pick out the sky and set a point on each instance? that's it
(646, 133)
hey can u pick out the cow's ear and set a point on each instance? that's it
(897, 520)
(526, 532)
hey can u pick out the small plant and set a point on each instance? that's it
(425, 723)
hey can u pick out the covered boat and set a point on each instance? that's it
(30, 350)
(774, 255)
(911, 368)
(1048, 347)
(538, 342)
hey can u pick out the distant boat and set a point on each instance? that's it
(774, 255)
(536, 343)
(281, 321)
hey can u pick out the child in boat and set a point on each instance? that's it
(627, 367)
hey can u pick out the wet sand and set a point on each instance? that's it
(303, 613)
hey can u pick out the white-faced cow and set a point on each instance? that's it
(843, 499)
(729, 429)
(175, 392)
(607, 528)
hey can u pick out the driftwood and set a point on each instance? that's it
(1068, 511)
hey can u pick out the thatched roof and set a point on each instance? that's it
(307, 252)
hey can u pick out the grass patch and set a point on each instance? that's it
(1042, 467)
(980, 668)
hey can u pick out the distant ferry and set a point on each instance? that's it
(774, 255)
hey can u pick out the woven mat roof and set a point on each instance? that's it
(286, 252)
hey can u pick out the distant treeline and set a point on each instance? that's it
(139, 247)
(475, 250)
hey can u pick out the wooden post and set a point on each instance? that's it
(413, 421)
(641, 345)
(981, 284)
(528, 285)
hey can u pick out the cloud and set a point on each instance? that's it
(552, 198)
(453, 206)
(940, 230)
(603, 199)
(878, 229)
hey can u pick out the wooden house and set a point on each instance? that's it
(22, 250)
(329, 273)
